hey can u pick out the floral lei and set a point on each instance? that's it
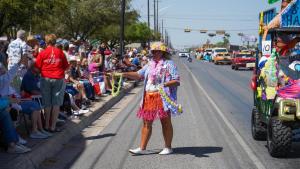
(173, 107)
(155, 69)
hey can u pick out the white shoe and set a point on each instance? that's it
(38, 135)
(80, 112)
(24, 147)
(22, 141)
(46, 133)
(137, 151)
(18, 149)
(166, 151)
(83, 111)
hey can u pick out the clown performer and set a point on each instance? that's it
(161, 80)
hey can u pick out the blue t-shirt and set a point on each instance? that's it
(135, 61)
(30, 82)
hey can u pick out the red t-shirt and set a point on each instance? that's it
(52, 63)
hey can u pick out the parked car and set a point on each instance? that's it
(244, 60)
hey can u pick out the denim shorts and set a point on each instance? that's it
(30, 106)
(71, 90)
(52, 91)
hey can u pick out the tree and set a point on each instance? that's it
(86, 19)
(13, 14)
(138, 32)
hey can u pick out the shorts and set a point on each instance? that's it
(28, 107)
(71, 89)
(52, 91)
(152, 108)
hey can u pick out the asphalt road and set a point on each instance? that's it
(213, 132)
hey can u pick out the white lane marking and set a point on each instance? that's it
(239, 138)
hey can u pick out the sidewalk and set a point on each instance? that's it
(42, 149)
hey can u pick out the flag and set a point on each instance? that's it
(99, 85)
(272, 1)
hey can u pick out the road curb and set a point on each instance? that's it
(52, 146)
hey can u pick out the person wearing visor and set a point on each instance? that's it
(159, 73)
(275, 23)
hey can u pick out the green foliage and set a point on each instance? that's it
(87, 19)
(138, 32)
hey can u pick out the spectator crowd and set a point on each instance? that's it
(50, 80)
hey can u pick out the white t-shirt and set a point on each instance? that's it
(15, 50)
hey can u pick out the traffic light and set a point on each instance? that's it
(203, 31)
(220, 32)
(211, 34)
(187, 30)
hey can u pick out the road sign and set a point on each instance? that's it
(290, 16)
(266, 48)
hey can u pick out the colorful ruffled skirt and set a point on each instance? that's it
(152, 108)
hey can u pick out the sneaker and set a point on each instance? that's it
(83, 111)
(137, 151)
(80, 112)
(166, 151)
(76, 113)
(97, 98)
(46, 133)
(24, 147)
(126, 83)
(38, 135)
(18, 149)
(84, 107)
(86, 102)
(22, 141)
(60, 121)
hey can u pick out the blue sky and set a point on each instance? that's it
(232, 15)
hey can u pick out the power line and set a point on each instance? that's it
(214, 30)
(210, 19)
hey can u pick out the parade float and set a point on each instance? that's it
(276, 81)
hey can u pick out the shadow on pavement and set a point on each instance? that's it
(197, 151)
(100, 136)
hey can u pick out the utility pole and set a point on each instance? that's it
(157, 26)
(149, 13)
(122, 25)
(165, 36)
(162, 30)
(154, 16)
(149, 19)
